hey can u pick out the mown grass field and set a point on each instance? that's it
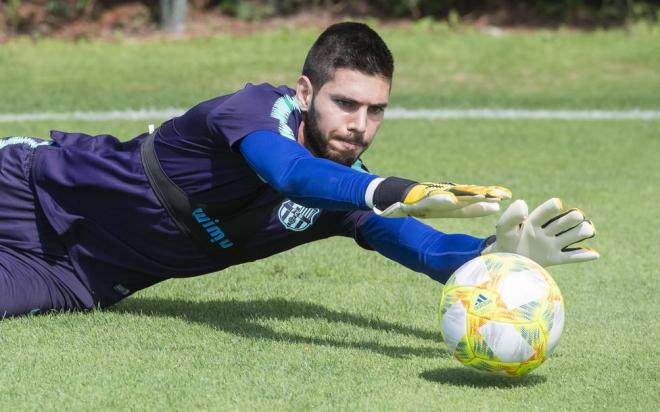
(329, 326)
(434, 67)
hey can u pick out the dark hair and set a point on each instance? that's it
(347, 46)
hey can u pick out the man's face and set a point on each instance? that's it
(343, 116)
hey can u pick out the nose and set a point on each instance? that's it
(358, 122)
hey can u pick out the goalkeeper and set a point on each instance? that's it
(88, 220)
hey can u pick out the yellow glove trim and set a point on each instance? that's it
(455, 192)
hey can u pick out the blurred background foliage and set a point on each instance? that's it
(45, 17)
(595, 12)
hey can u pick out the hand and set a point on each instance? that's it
(434, 200)
(546, 235)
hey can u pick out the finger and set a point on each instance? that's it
(583, 231)
(463, 201)
(546, 211)
(493, 193)
(499, 192)
(474, 210)
(563, 222)
(581, 254)
(423, 191)
(466, 193)
(513, 216)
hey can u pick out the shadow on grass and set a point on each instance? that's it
(462, 376)
(242, 318)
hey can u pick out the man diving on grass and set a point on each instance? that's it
(88, 220)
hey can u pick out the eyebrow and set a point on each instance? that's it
(351, 100)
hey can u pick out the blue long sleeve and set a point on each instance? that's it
(309, 181)
(419, 247)
(315, 182)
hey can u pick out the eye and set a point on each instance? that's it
(376, 109)
(346, 104)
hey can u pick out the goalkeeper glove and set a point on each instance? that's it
(546, 235)
(435, 200)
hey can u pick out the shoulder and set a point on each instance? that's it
(251, 98)
(264, 91)
(255, 107)
(259, 98)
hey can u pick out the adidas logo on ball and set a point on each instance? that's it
(481, 301)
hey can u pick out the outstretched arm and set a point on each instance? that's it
(316, 182)
(417, 246)
(548, 236)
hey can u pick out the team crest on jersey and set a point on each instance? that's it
(295, 217)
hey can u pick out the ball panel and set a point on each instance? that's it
(486, 365)
(478, 345)
(454, 325)
(525, 367)
(530, 311)
(506, 342)
(472, 273)
(556, 328)
(452, 294)
(463, 351)
(519, 288)
(507, 369)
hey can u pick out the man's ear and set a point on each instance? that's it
(304, 92)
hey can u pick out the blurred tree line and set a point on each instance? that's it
(598, 12)
(22, 16)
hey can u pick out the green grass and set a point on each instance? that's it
(300, 331)
(434, 67)
(329, 326)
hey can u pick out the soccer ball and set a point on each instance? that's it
(501, 313)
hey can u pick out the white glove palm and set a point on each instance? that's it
(545, 236)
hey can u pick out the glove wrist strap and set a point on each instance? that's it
(390, 191)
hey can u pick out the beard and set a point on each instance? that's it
(318, 144)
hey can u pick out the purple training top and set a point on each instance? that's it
(94, 192)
